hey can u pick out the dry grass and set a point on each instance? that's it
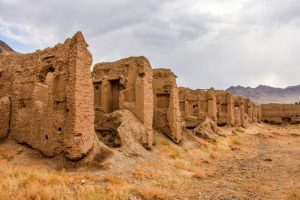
(165, 142)
(143, 173)
(199, 174)
(276, 133)
(27, 182)
(182, 165)
(235, 141)
(115, 180)
(204, 148)
(152, 193)
(174, 154)
(241, 130)
(295, 195)
(213, 155)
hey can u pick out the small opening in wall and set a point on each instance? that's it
(59, 129)
(46, 136)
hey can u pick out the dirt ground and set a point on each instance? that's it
(266, 165)
(260, 162)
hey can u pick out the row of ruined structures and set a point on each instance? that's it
(52, 102)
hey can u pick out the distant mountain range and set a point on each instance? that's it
(267, 94)
(4, 47)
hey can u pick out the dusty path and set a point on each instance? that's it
(264, 166)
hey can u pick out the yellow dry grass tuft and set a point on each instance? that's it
(31, 182)
(152, 193)
(115, 180)
(295, 195)
(182, 165)
(199, 174)
(174, 153)
(240, 129)
(213, 155)
(235, 141)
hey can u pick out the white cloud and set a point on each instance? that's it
(206, 42)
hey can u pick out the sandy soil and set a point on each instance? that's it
(265, 166)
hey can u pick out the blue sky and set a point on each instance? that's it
(17, 46)
(207, 43)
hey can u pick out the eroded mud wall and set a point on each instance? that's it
(167, 118)
(125, 84)
(280, 113)
(226, 111)
(51, 96)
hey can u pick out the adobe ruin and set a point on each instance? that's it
(125, 84)
(257, 114)
(196, 105)
(239, 111)
(51, 101)
(46, 99)
(274, 113)
(209, 104)
(226, 109)
(189, 104)
(167, 118)
(248, 110)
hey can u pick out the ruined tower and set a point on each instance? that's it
(48, 96)
(166, 104)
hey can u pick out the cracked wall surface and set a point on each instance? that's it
(51, 97)
(125, 84)
(167, 117)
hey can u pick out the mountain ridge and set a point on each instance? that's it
(4, 47)
(267, 94)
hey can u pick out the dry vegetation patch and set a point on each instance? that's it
(152, 193)
(199, 174)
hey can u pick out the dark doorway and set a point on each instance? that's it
(115, 94)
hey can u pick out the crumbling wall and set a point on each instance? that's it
(125, 84)
(280, 113)
(190, 107)
(166, 104)
(5, 114)
(51, 97)
(197, 105)
(248, 110)
(226, 111)
(208, 104)
(239, 112)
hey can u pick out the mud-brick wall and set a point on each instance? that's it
(239, 111)
(190, 106)
(280, 113)
(125, 84)
(167, 118)
(226, 111)
(51, 98)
